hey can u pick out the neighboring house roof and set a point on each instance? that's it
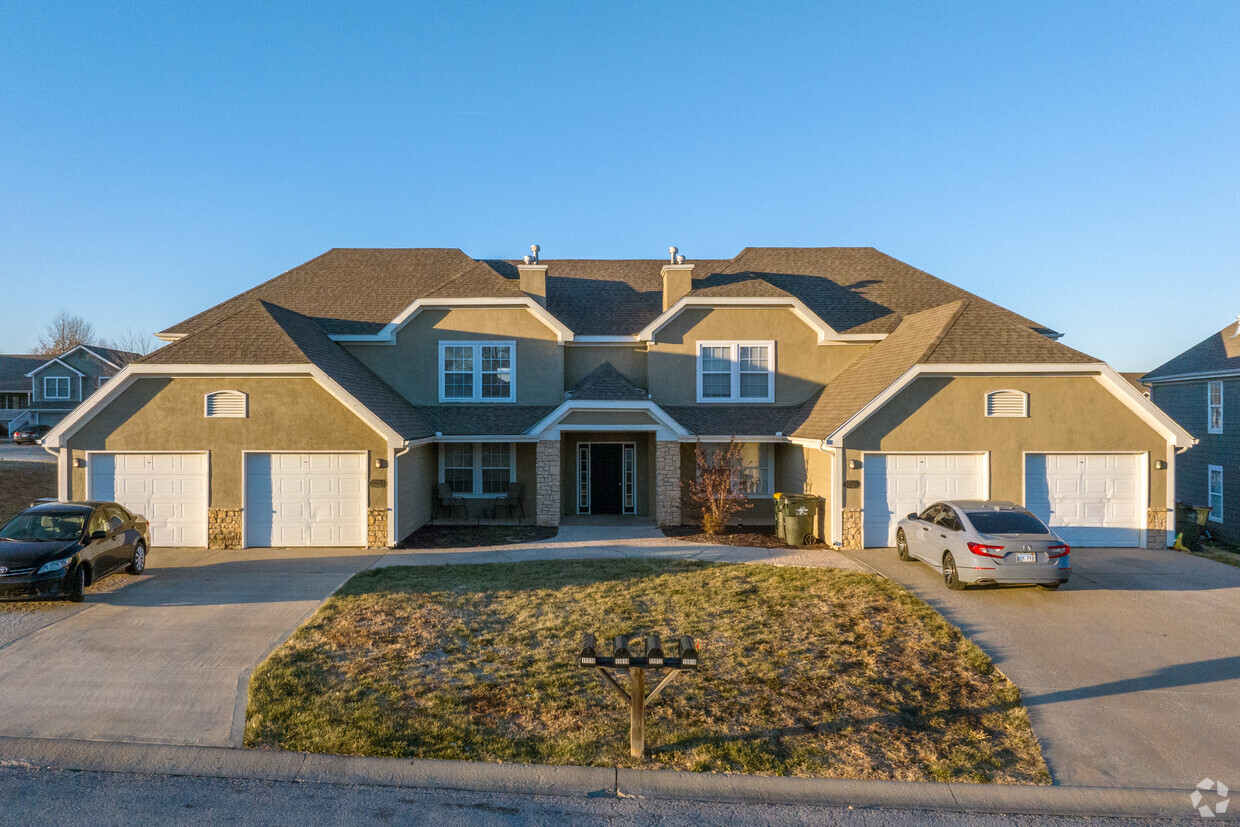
(13, 370)
(605, 383)
(359, 291)
(261, 333)
(1219, 353)
(1134, 379)
(120, 358)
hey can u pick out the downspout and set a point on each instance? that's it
(393, 499)
(837, 493)
(62, 470)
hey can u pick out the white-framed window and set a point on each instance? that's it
(226, 404)
(1214, 484)
(55, 387)
(736, 372)
(101, 381)
(477, 371)
(756, 473)
(1007, 403)
(478, 469)
(1214, 406)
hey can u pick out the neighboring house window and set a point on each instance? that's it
(1007, 403)
(756, 469)
(483, 469)
(1214, 406)
(56, 387)
(476, 371)
(228, 404)
(101, 380)
(12, 401)
(1215, 482)
(736, 372)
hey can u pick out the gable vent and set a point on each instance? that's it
(1007, 403)
(227, 403)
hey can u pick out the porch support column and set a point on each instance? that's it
(667, 482)
(547, 477)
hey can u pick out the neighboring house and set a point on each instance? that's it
(326, 406)
(1201, 388)
(50, 387)
(1137, 381)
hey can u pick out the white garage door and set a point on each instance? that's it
(899, 484)
(1088, 499)
(170, 490)
(305, 499)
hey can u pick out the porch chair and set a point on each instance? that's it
(449, 501)
(510, 500)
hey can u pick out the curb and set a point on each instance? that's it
(535, 779)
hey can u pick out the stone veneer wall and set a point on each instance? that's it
(852, 538)
(667, 483)
(547, 480)
(376, 528)
(224, 528)
(1156, 523)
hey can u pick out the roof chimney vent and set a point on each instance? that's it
(680, 259)
(526, 259)
(671, 252)
(534, 248)
(533, 277)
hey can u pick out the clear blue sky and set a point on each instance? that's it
(1076, 162)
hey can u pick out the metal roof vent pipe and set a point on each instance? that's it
(677, 278)
(534, 277)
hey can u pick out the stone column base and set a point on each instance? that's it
(1156, 535)
(224, 528)
(852, 538)
(547, 482)
(377, 528)
(667, 483)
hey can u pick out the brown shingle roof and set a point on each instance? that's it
(483, 420)
(728, 420)
(1219, 353)
(607, 384)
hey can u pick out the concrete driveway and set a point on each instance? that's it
(1130, 672)
(166, 658)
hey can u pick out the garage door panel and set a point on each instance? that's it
(306, 499)
(1088, 499)
(168, 489)
(899, 484)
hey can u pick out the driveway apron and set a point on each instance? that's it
(1130, 672)
(160, 660)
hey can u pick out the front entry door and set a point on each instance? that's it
(605, 478)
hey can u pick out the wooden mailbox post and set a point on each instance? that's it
(622, 657)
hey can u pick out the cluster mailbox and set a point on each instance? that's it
(626, 655)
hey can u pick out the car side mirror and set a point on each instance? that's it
(913, 517)
(98, 535)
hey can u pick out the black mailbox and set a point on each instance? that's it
(588, 651)
(620, 650)
(688, 653)
(654, 651)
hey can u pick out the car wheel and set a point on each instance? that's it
(77, 585)
(139, 559)
(902, 545)
(950, 576)
(1050, 587)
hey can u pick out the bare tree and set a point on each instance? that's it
(719, 486)
(64, 334)
(133, 342)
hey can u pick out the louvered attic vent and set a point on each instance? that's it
(1007, 403)
(226, 404)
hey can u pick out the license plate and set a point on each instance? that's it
(1026, 558)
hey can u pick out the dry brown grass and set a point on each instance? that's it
(21, 483)
(759, 536)
(810, 672)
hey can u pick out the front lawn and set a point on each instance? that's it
(757, 536)
(812, 672)
(21, 483)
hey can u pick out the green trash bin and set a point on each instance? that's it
(779, 515)
(800, 519)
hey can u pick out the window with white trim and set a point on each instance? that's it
(55, 387)
(1214, 484)
(1214, 406)
(1007, 403)
(756, 468)
(226, 405)
(99, 383)
(736, 372)
(476, 371)
(477, 469)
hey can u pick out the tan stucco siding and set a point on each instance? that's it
(800, 470)
(411, 365)
(285, 414)
(1072, 414)
(580, 360)
(568, 466)
(416, 475)
(802, 366)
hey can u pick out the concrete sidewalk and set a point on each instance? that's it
(575, 542)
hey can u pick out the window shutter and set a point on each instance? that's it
(227, 404)
(1007, 403)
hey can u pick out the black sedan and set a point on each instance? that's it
(30, 434)
(58, 549)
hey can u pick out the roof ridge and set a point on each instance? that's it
(947, 326)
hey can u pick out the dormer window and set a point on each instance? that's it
(477, 372)
(1007, 403)
(227, 404)
(736, 372)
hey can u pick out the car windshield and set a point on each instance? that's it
(44, 526)
(1007, 522)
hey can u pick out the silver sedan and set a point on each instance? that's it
(974, 541)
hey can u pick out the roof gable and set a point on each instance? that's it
(1219, 353)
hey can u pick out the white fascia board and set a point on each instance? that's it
(483, 438)
(824, 331)
(571, 405)
(55, 360)
(599, 341)
(1191, 377)
(170, 337)
(776, 440)
(1141, 405)
(387, 335)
